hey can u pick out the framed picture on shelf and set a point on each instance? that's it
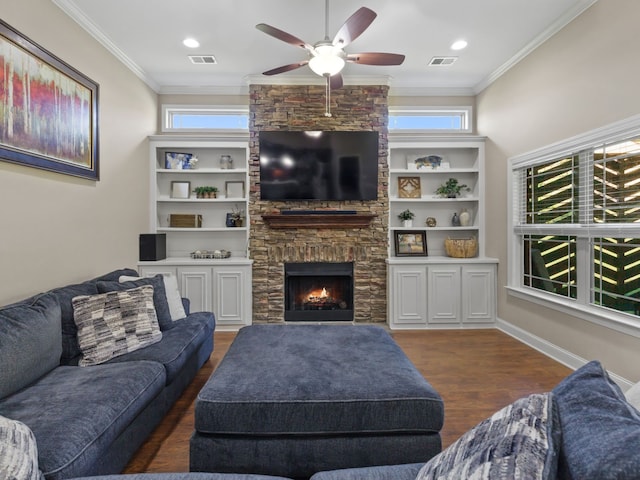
(234, 189)
(409, 187)
(180, 190)
(176, 160)
(410, 243)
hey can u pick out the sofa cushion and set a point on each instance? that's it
(114, 323)
(30, 342)
(70, 347)
(18, 451)
(183, 476)
(406, 471)
(520, 441)
(159, 296)
(633, 396)
(114, 275)
(77, 413)
(177, 346)
(600, 429)
(174, 299)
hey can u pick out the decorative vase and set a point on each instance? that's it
(226, 161)
(455, 220)
(465, 218)
(407, 223)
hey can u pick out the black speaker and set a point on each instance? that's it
(153, 246)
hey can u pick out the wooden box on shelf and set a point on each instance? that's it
(185, 220)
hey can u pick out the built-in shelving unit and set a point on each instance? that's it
(219, 285)
(437, 291)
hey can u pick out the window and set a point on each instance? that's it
(441, 119)
(197, 118)
(575, 226)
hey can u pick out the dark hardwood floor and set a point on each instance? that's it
(476, 372)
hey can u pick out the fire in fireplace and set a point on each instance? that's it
(318, 291)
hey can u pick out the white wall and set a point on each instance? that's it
(54, 228)
(585, 77)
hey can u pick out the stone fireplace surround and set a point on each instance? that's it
(285, 107)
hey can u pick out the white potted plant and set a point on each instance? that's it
(407, 218)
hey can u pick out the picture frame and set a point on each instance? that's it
(410, 243)
(234, 189)
(409, 187)
(180, 190)
(176, 160)
(52, 123)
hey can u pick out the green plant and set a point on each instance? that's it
(452, 188)
(406, 215)
(205, 191)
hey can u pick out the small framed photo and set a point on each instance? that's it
(234, 189)
(409, 187)
(410, 243)
(176, 160)
(180, 190)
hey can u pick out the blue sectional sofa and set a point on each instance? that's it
(90, 420)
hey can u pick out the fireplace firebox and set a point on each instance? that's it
(318, 291)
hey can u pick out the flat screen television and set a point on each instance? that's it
(318, 165)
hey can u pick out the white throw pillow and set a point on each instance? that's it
(174, 299)
(115, 323)
(18, 451)
(633, 396)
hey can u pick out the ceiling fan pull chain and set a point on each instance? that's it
(327, 112)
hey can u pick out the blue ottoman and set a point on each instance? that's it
(293, 400)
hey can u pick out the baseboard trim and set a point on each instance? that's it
(555, 352)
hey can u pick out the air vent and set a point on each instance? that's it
(203, 59)
(442, 61)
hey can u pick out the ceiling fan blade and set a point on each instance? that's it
(376, 58)
(354, 26)
(336, 81)
(284, 36)
(285, 68)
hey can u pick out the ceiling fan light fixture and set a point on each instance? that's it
(327, 60)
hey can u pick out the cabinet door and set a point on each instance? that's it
(408, 291)
(444, 295)
(195, 284)
(478, 294)
(232, 295)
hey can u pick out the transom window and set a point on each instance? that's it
(452, 119)
(575, 229)
(195, 118)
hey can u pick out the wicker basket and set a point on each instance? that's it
(461, 247)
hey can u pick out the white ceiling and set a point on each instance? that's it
(147, 37)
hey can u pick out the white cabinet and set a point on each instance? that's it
(219, 286)
(407, 306)
(442, 293)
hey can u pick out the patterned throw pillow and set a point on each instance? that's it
(18, 451)
(114, 323)
(521, 441)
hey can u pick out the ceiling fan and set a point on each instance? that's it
(327, 57)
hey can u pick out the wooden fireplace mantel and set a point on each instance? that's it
(313, 220)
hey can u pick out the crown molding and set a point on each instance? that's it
(545, 35)
(81, 19)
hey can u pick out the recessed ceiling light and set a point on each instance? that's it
(459, 45)
(191, 43)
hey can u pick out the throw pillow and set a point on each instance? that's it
(600, 429)
(18, 451)
(159, 297)
(520, 441)
(174, 299)
(114, 323)
(633, 396)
